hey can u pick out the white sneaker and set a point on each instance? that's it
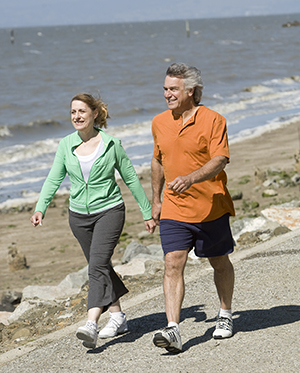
(224, 328)
(168, 338)
(88, 334)
(114, 327)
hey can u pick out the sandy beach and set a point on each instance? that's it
(52, 252)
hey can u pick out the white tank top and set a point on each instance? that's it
(86, 161)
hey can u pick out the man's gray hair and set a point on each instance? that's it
(191, 76)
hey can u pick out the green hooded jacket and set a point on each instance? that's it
(101, 192)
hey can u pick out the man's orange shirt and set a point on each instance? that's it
(183, 149)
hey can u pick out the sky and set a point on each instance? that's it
(27, 13)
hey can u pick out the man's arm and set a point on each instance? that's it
(157, 180)
(211, 169)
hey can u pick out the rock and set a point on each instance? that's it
(4, 315)
(41, 296)
(16, 259)
(248, 238)
(156, 253)
(153, 266)
(134, 250)
(75, 280)
(291, 24)
(247, 225)
(287, 216)
(135, 267)
(269, 193)
(269, 182)
(48, 292)
(296, 179)
(135, 258)
(143, 234)
(259, 176)
(236, 195)
(70, 285)
(21, 334)
(22, 309)
(9, 299)
(281, 230)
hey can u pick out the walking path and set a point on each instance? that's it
(266, 323)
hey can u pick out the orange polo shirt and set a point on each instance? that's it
(183, 149)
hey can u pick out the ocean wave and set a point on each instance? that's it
(257, 89)
(21, 152)
(14, 174)
(271, 125)
(230, 42)
(28, 180)
(130, 129)
(29, 197)
(132, 112)
(9, 131)
(258, 100)
(287, 80)
(35, 51)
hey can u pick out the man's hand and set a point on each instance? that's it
(211, 169)
(180, 184)
(156, 208)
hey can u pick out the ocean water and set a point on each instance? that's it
(250, 67)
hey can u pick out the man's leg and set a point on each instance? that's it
(224, 281)
(174, 287)
(169, 337)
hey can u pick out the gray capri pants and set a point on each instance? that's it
(98, 235)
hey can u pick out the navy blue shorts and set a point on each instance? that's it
(209, 239)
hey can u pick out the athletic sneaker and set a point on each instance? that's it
(115, 326)
(224, 328)
(168, 338)
(88, 334)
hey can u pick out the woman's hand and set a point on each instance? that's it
(37, 219)
(150, 225)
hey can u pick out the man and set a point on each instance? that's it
(190, 154)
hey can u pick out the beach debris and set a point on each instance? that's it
(291, 24)
(296, 179)
(236, 195)
(259, 176)
(297, 161)
(269, 193)
(16, 259)
(187, 28)
(9, 299)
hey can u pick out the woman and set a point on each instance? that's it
(96, 209)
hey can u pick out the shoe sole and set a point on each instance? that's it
(219, 336)
(89, 345)
(160, 341)
(111, 336)
(85, 337)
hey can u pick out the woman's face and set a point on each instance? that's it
(82, 116)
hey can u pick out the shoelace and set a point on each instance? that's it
(113, 323)
(172, 334)
(224, 323)
(90, 325)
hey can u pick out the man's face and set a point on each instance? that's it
(177, 97)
